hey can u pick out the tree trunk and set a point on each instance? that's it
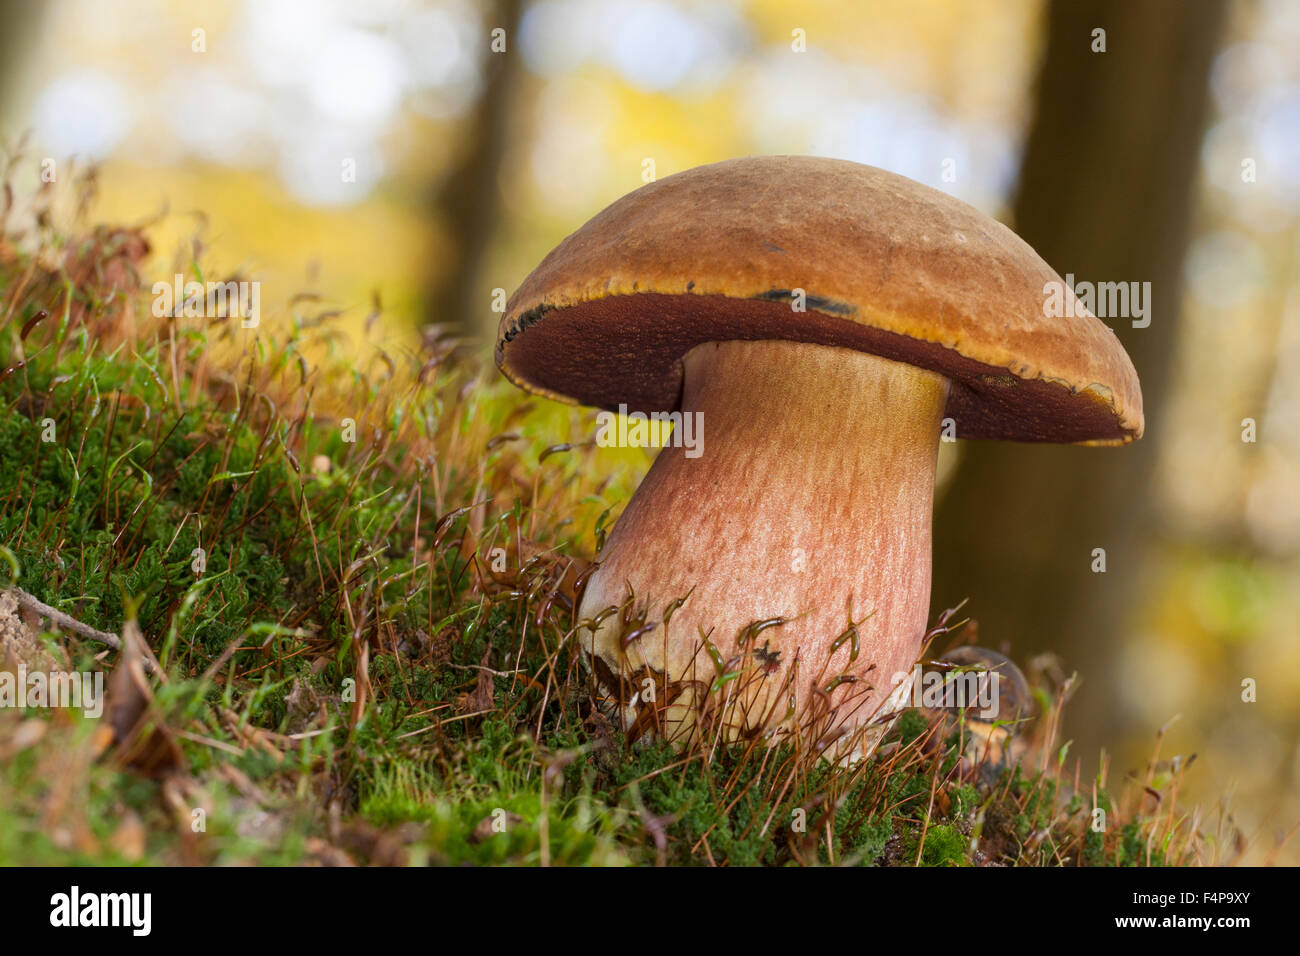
(1106, 193)
(20, 22)
(468, 202)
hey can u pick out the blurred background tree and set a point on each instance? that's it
(22, 22)
(1106, 192)
(468, 200)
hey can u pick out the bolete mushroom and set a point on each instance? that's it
(824, 321)
(983, 695)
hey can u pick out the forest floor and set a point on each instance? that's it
(330, 593)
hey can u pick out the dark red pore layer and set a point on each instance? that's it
(628, 350)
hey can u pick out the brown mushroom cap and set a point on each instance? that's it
(887, 266)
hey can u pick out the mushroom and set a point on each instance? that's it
(984, 695)
(824, 321)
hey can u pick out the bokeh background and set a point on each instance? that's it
(353, 150)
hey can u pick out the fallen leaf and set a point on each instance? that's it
(143, 741)
(129, 837)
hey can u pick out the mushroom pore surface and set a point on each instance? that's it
(810, 504)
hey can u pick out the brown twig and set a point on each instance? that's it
(65, 621)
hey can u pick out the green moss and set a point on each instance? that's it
(944, 846)
(910, 726)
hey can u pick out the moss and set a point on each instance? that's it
(944, 846)
(911, 725)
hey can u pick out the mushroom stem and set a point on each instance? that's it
(808, 509)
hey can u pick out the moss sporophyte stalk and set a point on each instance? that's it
(626, 429)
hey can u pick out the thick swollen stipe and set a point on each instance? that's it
(809, 511)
